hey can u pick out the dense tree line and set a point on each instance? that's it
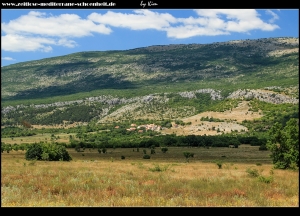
(79, 113)
(202, 102)
(252, 140)
(157, 141)
(52, 115)
(16, 132)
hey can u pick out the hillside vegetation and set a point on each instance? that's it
(234, 87)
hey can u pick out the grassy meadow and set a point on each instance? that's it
(214, 177)
(63, 137)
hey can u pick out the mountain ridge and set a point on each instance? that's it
(254, 81)
(88, 71)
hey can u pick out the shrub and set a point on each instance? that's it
(265, 179)
(122, 157)
(157, 168)
(164, 149)
(145, 156)
(77, 148)
(34, 152)
(252, 172)
(48, 152)
(263, 147)
(187, 155)
(219, 164)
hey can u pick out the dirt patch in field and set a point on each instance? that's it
(231, 118)
(238, 114)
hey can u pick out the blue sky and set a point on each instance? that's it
(33, 34)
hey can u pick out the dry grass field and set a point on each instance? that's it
(46, 137)
(215, 177)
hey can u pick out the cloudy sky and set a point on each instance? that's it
(32, 34)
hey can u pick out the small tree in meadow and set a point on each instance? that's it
(104, 150)
(164, 149)
(146, 156)
(188, 155)
(34, 152)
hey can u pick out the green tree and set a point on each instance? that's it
(187, 155)
(34, 152)
(164, 149)
(48, 152)
(284, 144)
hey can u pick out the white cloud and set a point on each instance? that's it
(38, 31)
(141, 20)
(188, 31)
(18, 43)
(8, 59)
(221, 21)
(64, 25)
(41, 31)
(209, 22)
(274, 16)
(67, 43)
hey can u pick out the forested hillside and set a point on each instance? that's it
(235, 87)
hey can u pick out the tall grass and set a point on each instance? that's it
(89, 182)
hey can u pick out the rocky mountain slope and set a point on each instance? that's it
(232, 62)
(232, 82)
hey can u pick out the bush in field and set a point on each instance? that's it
(253, 172)
(219, 164)
(6, 147)
(187, 155)
(164, 149)
(77, 148)
(145, 156)
(47, 152)
(157, 168)
(104, 150)
(263, 147)
(261, 178)
(34, 152)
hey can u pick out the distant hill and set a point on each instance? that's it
(268, 59)
(254, 79)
